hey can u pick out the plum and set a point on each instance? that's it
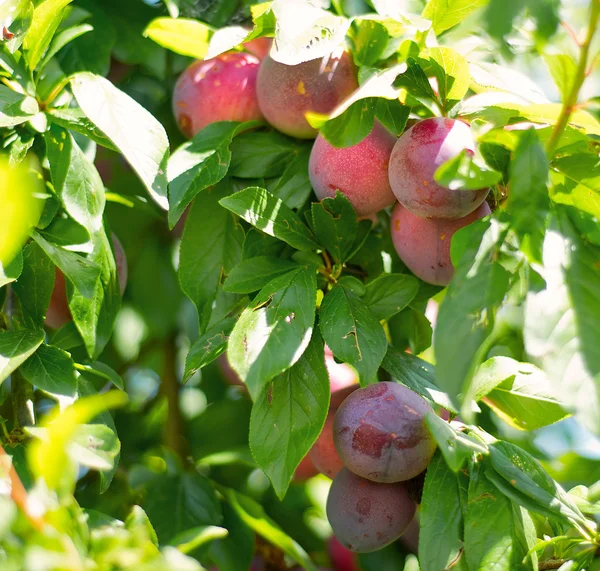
(305, 470)
(230, 376)
(323, 454)
(342, 379)
(416, 156)
(359, 172)
(219, 89)
(287, 92)
(380, 433)
(58, 313)
(260, 47)
(424, 244)
(343, 559)
(366, 516)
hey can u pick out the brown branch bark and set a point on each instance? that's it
(18, 493)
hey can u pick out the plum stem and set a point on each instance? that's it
(570, 101)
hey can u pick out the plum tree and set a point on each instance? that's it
(359, 172)
(287, 92)
(366, 516)
(424, 244)
(219, 89)
(380, 433)
(323, 454)
(58, 310)
(416, 156)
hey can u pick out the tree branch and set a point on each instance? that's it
(17, 490)
(174, 435)
(551, 564)
(571, 101)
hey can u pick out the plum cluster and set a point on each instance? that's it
(373, 174)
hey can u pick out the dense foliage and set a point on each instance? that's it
(242, 244)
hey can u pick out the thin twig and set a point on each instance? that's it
(551, 564)
(571, 100)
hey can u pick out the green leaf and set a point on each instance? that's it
(417, 375)
(519, 392)
(200, 163)
(138, 520)
(95, 316)
(441, 519)
(488, 540)
(350, 127)
(208, 347)
(527, 477)
(61, 39)
(391, 114)
(254, 516)
(75, 120)
(389, 294)
(320, 34)
(411, 329)
(466, 171)
(524, 539)
(52, 370)
(11, 272)
(49, 457)
(370, 40)
(528, 201)
(334, 224)
(268, 213)
(211, 245)
(451, 70)
(563, 69)
(253, 274)
(289, 415)
(350, 122)
(75, 178)
(197, 538)
(181, 35)
(293, 186)
(95, 446)
(235, 551)
(415, 80)
(15, 347)
(82, 272)
(15, 108)
(91, 52)
(132, 129)
(353, 333)
(456, 446)
(466, 315)
(103, 371)
(561, 321)
(261, 154)
(445, 14)
(177, 502)
(46, 18)
(273, 332)
(35, 284)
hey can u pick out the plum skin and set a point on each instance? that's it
(219, 89)
(417, 154)
(366, 516)
(58, 313)
(286, 92)
(323, 454)
(359, 172)
(380, 433)
(424, 244)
